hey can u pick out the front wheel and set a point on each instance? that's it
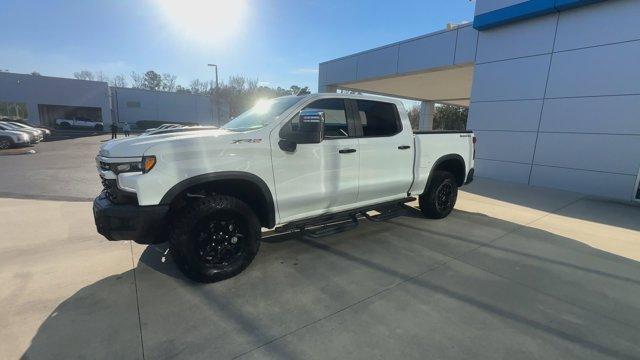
(5, 143)
(440, 197)
(214, 238)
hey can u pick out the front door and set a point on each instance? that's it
(318, 178)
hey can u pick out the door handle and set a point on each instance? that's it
(404, 147)
(346, 151)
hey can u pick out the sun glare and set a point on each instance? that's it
(208, 22)
(262, 106)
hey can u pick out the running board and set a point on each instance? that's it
(330, 224)
(387, 213)
(331, 229)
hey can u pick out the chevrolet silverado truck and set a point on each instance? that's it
(290, 162)
(80, 123)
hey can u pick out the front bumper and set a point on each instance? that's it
(22, 141)
(142, 224)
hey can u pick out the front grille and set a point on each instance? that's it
(115, 195)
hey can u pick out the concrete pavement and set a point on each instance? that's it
(514, 272)
(60, 170)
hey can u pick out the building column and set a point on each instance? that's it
(427, 109)
(33, 114)
(327, 89)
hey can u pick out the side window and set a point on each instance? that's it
(335, 117)
(378, 118)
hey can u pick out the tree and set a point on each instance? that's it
(297, 90)
(168, 82)
(84, 75)
(35, 73)
(198, 86)
(152, 80)
(414, 116)
(100, 76)
(182, 89)
(449, 117)
(118, 81)
(136, 79)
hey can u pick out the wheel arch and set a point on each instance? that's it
(453, 163)
(246, 186)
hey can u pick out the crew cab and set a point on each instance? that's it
(80, 123)
(286, 163)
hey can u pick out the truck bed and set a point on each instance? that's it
(430, 150)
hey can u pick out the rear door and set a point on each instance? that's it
(386, 152)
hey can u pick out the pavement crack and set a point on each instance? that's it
(135, 282)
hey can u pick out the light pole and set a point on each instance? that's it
(216, 94)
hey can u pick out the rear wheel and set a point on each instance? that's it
(215, 238)
(440, 197)
(5, 143)
(98, 127)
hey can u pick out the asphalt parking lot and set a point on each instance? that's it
(514, 272)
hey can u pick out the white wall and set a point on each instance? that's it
(556, 99)
(447, 48)
(34, 90)
(165, 106)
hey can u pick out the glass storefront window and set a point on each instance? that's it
(13, 110)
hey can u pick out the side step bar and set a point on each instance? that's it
(330, 224)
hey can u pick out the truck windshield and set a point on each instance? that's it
(262, 114)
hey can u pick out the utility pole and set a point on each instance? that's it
(216, 94)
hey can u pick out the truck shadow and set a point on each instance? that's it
(298, 281)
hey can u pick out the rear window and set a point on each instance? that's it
(378, 118)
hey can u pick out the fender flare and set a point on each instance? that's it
(443, 159)
(178, 188)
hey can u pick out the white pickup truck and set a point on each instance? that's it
(289, 162)
(80, 123)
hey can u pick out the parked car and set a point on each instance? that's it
(288, 163)
(35, 136)
(10, 138)
(80, 123)
(45, 132)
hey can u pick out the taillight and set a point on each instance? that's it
(475, 140)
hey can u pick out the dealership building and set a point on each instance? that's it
(40, 100)
(552, 86)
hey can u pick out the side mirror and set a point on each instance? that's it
(309, 129)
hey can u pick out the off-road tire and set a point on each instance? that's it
(193, 229)
(440, 197)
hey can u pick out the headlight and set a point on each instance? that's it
(144, 166)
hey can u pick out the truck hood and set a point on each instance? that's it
(137, 145)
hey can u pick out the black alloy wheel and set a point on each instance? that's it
(214, 238)
(218, 242)
(444, 196)
(439, 198)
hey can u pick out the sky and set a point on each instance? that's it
(277, 42)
